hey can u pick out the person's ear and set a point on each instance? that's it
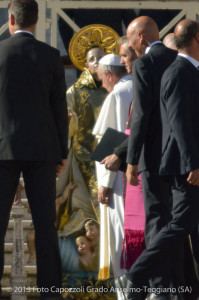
(108, 74)
(142, 38)
(139, 36)
(197, 37)
(12, 20)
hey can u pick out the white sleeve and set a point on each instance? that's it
(107, 118)
(105, 177)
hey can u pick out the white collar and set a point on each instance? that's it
(123, 79)
(22, 31)
(151, 45)
(191, 59)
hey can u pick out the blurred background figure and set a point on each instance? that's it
(169, 41)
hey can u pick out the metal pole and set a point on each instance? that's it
(41, 24)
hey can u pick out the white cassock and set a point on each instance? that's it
(114, 114)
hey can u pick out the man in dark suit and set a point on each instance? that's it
(33, 135)
(180, 158)
(179, 109)
(145, 139)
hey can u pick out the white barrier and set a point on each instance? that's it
(190, 9)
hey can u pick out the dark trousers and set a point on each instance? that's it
(191, 268)
(185, 217)
(195, 243)
(40, 186)
(158, 205)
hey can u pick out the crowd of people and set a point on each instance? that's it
(135, 214)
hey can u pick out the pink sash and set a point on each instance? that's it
(134, 223)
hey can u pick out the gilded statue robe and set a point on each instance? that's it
(85, 100)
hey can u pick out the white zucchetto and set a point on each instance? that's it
(111, 60)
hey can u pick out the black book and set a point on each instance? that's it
(110, 140)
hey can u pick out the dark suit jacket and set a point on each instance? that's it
(33, 112)
(180, 117)
(146, 129)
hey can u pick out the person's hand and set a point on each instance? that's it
(111, 162)
(70, 186)
(132, 174)
(104, 194)
(60, 167)
(69, 113)
(193, 177)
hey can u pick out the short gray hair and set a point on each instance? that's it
(116, 70)
(124, 41)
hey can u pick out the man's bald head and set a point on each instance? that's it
(141, 32)
(147, 26)
(169, 41)
(185, 32)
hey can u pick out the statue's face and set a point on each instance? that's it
(92, 232)
(92, 60)
(83, 245)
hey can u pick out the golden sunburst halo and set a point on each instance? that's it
(91, 36)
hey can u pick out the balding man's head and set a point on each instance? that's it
(185, 33)
(169, 41)
(141, 32)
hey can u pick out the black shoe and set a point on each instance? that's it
(153, 296)
(130, 292)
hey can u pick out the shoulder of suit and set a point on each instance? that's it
(6, 41)
(161, 50)
(40, 43)
(176, 70)
(48, 47)
(142, 61)
(157, 55)
(171, 52)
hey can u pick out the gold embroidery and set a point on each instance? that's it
(87, 102)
